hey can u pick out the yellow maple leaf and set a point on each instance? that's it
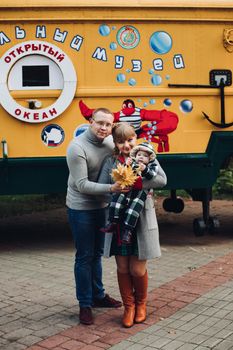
(124, 174)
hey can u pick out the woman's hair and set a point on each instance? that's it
(121, 132)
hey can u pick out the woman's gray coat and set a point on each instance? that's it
(147, 227)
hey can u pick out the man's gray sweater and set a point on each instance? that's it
(85, 155)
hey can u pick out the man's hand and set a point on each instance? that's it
(116, 188)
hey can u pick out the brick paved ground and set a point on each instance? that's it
(190, 302)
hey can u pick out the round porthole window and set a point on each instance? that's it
(42, 66)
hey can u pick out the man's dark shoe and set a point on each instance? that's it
(85, 315)
(107, 301)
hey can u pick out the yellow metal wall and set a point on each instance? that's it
(197, 40)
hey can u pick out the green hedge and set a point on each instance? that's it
(223, 188)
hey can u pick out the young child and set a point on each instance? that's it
(130, 204)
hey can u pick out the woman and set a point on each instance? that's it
(131, 259)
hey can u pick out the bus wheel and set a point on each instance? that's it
(175, 205)
(167, 205)
(178, 205)
(213, 225)
(199, 227)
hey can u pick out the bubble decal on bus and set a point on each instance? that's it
(104, 30)
(160, 42)
(186, 106)
(167, 102)
(156, 79)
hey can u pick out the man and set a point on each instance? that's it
(86, 211)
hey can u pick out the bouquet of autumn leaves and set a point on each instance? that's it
(125, 175)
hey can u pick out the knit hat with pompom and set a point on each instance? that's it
(146, 147)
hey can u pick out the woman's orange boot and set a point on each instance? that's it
(140, 286)
(127, 295)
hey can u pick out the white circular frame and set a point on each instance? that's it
(68, 71)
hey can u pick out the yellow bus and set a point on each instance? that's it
(165, 66)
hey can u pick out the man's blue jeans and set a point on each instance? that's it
(89, 242)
